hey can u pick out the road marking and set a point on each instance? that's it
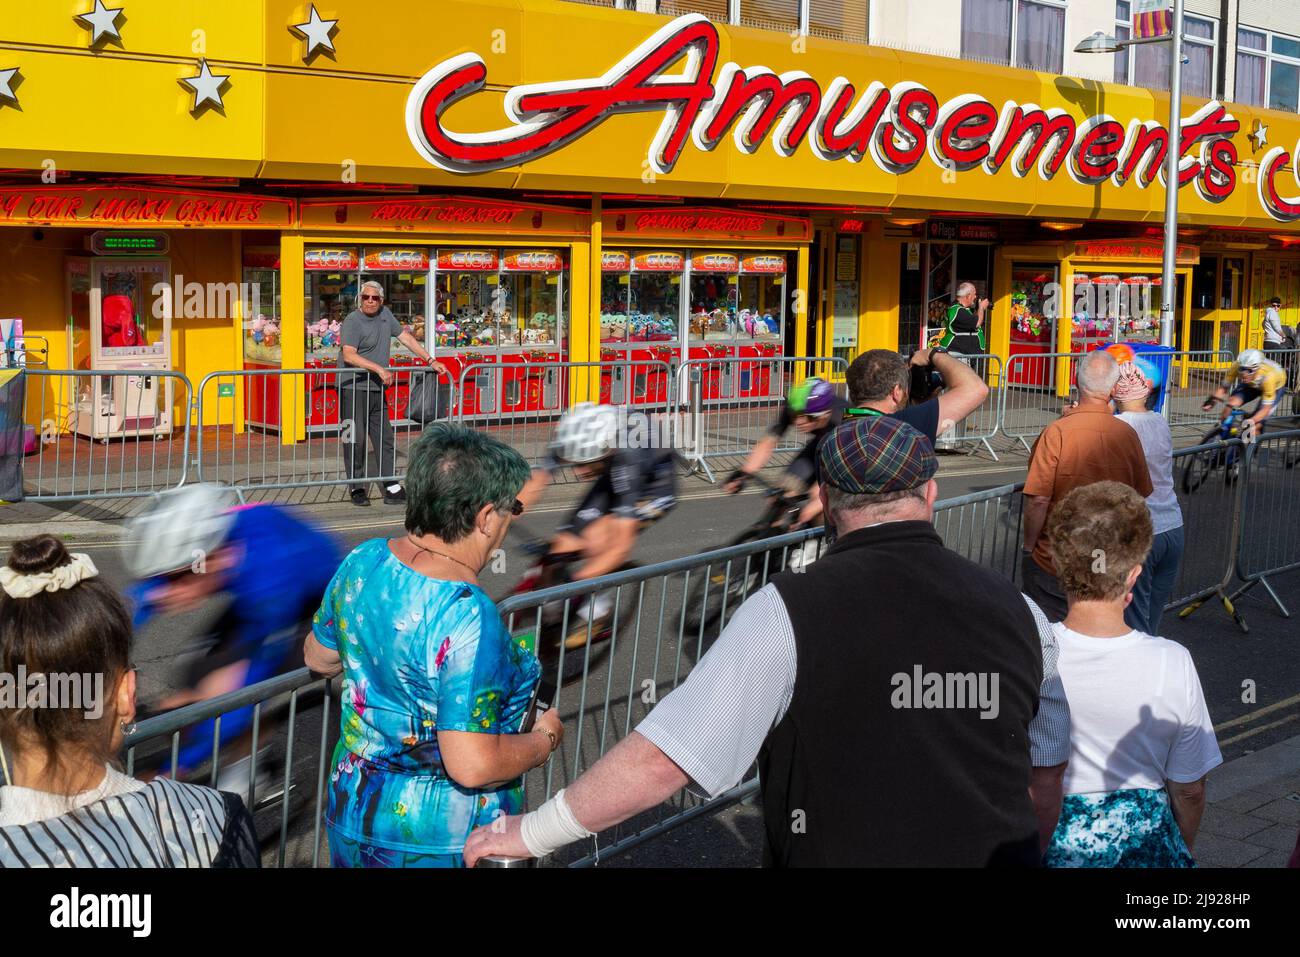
(1254, 731)
(1257, 714)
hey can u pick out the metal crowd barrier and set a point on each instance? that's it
(981, 425)
(1037, 387)
(1270, 513)
(282, 714)
(106, 433)
(1211, 522)
(243, 415)
(519, 402)
(985, 527)
(732, 402)
(663, 619)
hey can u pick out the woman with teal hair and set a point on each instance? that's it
(434, 689)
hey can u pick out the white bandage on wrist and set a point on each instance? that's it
(550, 827)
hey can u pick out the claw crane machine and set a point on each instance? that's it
(128, 309)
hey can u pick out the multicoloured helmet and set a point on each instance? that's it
(811, 397)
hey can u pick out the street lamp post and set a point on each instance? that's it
(1168, 277)
(1101, 43)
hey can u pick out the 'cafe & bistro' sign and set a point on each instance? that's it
(895, 126)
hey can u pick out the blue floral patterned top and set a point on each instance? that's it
(419, 655)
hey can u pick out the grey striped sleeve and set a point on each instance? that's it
(1049, 732)
(714, 724)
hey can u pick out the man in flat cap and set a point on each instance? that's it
(887, 693)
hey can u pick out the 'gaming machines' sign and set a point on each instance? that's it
(896, 126)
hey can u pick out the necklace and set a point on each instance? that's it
(449, 558)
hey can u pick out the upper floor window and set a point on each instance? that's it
(718, 11)
(838, 19)
(780, 15)
(1268, 70)
(833, 19)
(1147, 64)
(1026, 33)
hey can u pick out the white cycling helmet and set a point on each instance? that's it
(178, 529)
(586, 433)
(1250, 359)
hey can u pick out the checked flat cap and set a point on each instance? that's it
(875, 455)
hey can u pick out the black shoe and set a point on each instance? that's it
(359, 497)
(395, 498)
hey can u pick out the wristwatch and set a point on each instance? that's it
(940, 350)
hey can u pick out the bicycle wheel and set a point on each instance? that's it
(1197, 469)
(705, 600)
(1199, 466)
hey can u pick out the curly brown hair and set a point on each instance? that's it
(1097, 533)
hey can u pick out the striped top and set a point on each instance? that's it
(162, 824)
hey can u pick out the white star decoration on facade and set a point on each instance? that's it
(1259, 133)
(6, 86)
(102, 21)
(316, 32)
(206, 86)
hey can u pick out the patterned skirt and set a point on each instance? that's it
(1128, 828)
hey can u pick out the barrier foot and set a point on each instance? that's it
(700, 467)
(1021, 440)
(1268, 588)
(987, 445)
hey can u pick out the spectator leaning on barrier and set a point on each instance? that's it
(1087, 444)
(1142, 741)
(889, 732)
(67, 634)
(880, 383)
(434, 689)
(1273, 334)
(366, 337)
(1154, 585)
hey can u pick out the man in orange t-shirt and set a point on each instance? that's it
(1088, 444)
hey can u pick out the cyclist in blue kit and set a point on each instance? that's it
(267, 566)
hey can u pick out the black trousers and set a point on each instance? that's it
(1043, 588)
(363, 414)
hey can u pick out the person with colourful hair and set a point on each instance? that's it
(1137, 379)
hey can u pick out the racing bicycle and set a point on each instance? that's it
(715, 588)
(1199, 466)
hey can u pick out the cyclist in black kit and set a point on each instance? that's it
(814, 409)
(634, 484)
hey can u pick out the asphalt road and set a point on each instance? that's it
(648, 657)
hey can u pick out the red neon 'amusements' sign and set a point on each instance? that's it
(677, 71)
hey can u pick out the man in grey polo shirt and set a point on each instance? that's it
(801, 679)
(367, 336)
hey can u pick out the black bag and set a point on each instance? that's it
(429, 398)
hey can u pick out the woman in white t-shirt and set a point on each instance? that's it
(1160, 571)
(1141, 740)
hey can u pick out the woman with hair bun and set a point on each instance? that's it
(67, 703)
